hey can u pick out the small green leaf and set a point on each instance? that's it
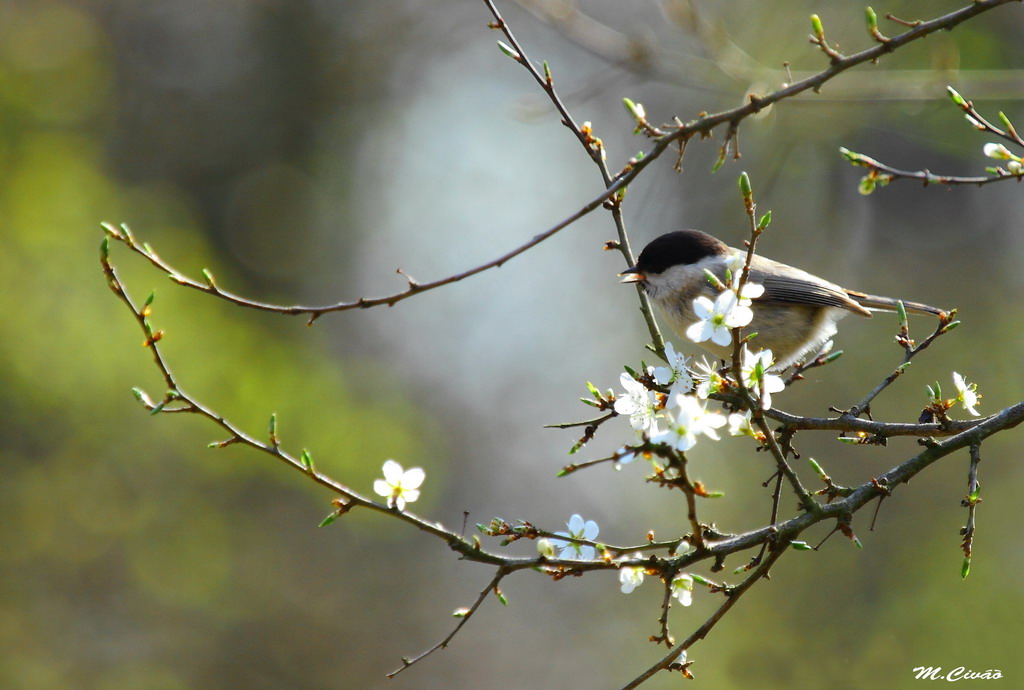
(149, 300)
(508, 50)
(849, 155)
(501, 597)
(901, 314)
(460, 613)
(105, 248)
(866, 185)
(141, 396)
(950, 326)
(816, 26)
(713, 494)
(965, 568)
(817, 468)
(955, 97)
(801, 546)
(766, 219)
(1005, 120)
(330, 518)
(593, 390)
(700, 580)
(713, 279)
(629, 370)
(872, 19)
(833, 356)
(307, 461)
(588, 401)
(636, 110)
(744, 184)
(547, 71)
(721, 161)
(208, 277)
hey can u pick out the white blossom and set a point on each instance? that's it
(638, 403)
(689, 419)
(739, 425)
(400, 487)
(578, 529)
(999, 152)
(708, 380)
(682, 588)
(718, 318)
(754, 369)
(966, 393)
(675, 375)
(631, 576)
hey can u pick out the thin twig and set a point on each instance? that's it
(888, 173)
(971, 502)
(463, 618)
(910, 351)
(596, 151)
(733, 595)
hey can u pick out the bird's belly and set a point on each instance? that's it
(790, 331)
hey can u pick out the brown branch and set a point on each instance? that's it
(776, 534)
(970, 502)
(881, 174)
(946, 324)
(733, 595)
(595, 149)
(702, 125)
(466, 615)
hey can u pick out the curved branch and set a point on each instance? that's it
(881, 174)
(702, 125)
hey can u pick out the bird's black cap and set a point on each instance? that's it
(681, 247)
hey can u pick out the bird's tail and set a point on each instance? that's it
(889, 304)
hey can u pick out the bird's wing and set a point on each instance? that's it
(800, 287)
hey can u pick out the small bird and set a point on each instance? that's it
(794, 317)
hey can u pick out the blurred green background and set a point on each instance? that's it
(302, 150)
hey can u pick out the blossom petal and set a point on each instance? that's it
(703, 307)
(575, 524)
(392, 472)
(700, 331)
(719, 336)
(412, 479)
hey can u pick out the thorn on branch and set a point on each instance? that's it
(413, 283)
(909, 24)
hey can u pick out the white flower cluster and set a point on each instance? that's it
(681, 417)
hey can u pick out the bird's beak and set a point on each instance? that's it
(632, 275)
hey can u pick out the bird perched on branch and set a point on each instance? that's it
(794, 316)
